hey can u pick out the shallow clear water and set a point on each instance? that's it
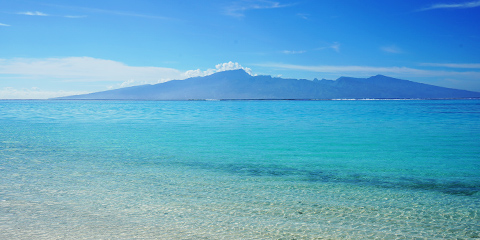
(240, 169)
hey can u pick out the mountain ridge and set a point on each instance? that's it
(237, 84)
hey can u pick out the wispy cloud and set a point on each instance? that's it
(83, 69)
(107, 73)
(74, 71)
(335, 46)
(442, 77)
(238, 8)
(93, 69)
(391, 49)
(370, 70)
(293, 52)
(128, 14)
(453, 65)
(342, 69)
(34, 93)
(4, 25)
(36, 13)
(109, 12)
(72, 16)
(303, 15)
(41, 14)
(472, 4)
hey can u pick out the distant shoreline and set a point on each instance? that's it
(224, 100)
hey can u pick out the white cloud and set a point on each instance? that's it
(86, 71)
(391, 49)
(293, 52)
(453, 65)
(128, 14)
(4, 25)
(218, 68)
(72, 16)
(231, 66)
(34, 93)
(369, 70)
(133, 82)
(109, 12)
(127, 83)
(196, 73)
(303, 15)
(238, 8)
(342, 69)
(334, 46)
(36, 13)
(468, 80)
(453, 5)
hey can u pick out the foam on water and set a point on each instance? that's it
(239, 170)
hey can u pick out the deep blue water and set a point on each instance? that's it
(239, 169)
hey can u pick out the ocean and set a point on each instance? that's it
(383, 169)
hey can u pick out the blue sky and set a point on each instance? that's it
(52, 48)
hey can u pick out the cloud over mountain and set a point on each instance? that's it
(237, 84)
(111, 74)
(218, 68)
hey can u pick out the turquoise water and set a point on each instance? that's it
(240, 169)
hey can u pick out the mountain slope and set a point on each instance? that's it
(237, 84)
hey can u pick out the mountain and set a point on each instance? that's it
(237, 84)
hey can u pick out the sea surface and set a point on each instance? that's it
(240, 169)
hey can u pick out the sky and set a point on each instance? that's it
(52, 48)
